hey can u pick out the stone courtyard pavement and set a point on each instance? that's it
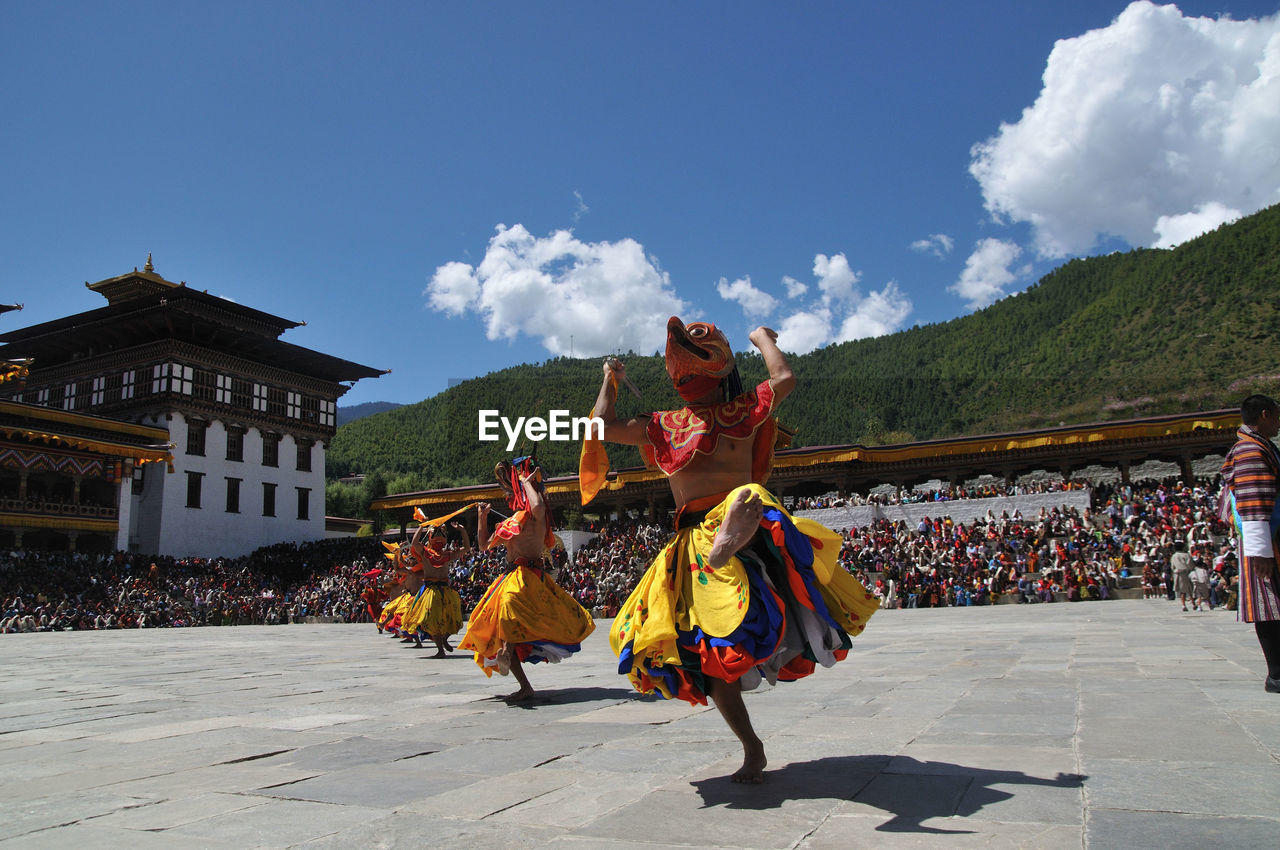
(1104, 724)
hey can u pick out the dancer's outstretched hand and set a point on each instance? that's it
(613, 366)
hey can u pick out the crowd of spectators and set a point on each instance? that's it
(600, 575)
(1062, 553)
(1127, 535)
(886, 496)
(42, 591)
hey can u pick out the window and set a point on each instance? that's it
(195, 436)
(260, 398)
(172, 377)
(223, 393)
(268, 499)
(235, 443)
(304, 455)
(111, 389)
(139, 480)
(270, 449)
(241, 393)
(328, 411)
(126, 385)
(182, 378)
(99, 388)
(275, 401)
(203, 384)
(304, 503)
(310, 411)
(293, 405)
(233, 495)
(69, 397)
(193, 489)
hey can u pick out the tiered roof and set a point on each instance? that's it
(143, 307)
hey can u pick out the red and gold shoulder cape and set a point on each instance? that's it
(675, 436)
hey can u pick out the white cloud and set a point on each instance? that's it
(836, 280)
(1152, 117)
(878, 314)
(453, 288)
(581, 209)
(841, 313)
(1173, 230)
(754, 302)
(986, 273)
(805, 330)
(605, 295)
(795, 288)
(938, 244)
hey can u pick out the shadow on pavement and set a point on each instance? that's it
(561, 696)
(910, 790)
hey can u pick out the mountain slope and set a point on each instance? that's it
(359, 411)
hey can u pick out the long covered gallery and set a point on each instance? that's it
(1120, 445)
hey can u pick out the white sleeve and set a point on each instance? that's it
(1255, 538)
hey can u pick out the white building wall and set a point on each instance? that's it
(124, 510)
(167, 526)
(147, 509)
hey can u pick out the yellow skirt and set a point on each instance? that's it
(436, 611)
(779, 608)
(526, 610)
(393, 611)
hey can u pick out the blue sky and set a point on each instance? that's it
(444, 189)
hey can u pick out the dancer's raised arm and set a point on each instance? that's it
(781, 379)
(629, 432)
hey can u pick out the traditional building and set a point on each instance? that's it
(66, 478)
(248, 415)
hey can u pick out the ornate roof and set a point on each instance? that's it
(87, 433)
(143, 307)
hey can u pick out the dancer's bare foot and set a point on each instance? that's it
(752, 770)
(439, 654)
(727, 697)
(448, 647)
(522, 695)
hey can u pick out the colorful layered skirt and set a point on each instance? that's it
(776, 611)
(526, 610)
(436, 611)
(393, 612)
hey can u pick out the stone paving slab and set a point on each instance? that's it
(1108, 724)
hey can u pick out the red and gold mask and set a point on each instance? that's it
(698, 357)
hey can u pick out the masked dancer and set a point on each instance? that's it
(436, 610)
(744, 592)
(524, 616)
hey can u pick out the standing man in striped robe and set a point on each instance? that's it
(1248, 501)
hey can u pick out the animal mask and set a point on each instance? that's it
(698, 357)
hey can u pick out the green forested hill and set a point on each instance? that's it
(1111, 337)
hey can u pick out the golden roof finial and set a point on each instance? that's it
(148, 267)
